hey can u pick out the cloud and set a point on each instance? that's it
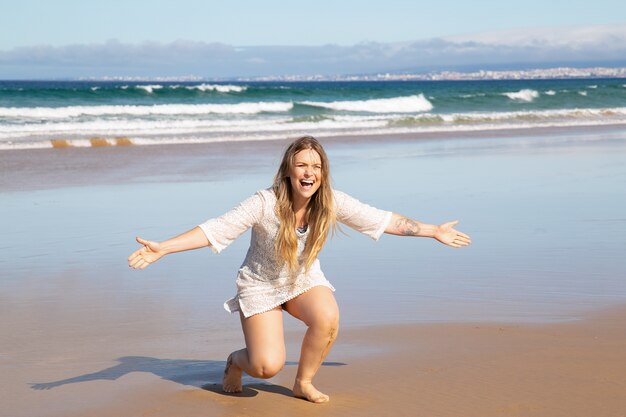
(604, 45)
(566, 36)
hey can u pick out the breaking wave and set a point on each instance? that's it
(161, 109)
(526, 95)
(142, 131)
(409, 104)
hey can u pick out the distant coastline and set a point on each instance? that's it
(528, 74)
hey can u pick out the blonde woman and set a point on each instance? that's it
(290, 223)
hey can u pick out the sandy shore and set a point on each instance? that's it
(514, 324)
(567, 369)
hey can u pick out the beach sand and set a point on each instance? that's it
(469, 369)
(528, 321)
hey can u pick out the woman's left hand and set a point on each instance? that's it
(448, 236)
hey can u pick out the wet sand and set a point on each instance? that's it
(528, 321)
(470, 369)
(38, 169)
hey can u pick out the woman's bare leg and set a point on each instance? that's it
(264, 354)
(318, 309)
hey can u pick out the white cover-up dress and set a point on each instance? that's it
(264, 282)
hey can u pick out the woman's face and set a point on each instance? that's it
(306, 174)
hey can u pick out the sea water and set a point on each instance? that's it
(43, 114)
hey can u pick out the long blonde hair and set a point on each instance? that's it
(321, 208)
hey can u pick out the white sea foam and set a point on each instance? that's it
(149, 88)
(530, 118)
(550, 93)
(582, 93)
(135, 127)
(142, 128)
(607, 115)
(592, 86)
(143, 131)
(409, 104)
(162, 109)
(95, 88)
(472, 95)
(220, 88)
(8, 145)
(522, 95)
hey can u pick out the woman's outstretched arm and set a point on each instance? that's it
(153, 251)
(444, 233)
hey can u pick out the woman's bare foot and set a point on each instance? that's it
(306, 390)
(231, 382)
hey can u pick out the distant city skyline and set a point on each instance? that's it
(70, 39)
(529, 74)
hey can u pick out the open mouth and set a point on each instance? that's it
(307, 184)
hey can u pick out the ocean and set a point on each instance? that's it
(544, 207)
(44, 114)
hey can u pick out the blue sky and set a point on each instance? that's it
(60, 37)
(237, 22)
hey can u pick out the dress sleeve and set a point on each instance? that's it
(222, 231)
(360, 216)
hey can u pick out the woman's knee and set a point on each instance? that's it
(326, 320)
(267, 366)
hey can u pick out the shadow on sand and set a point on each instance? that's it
(205, 374)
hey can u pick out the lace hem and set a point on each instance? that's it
(233, 305)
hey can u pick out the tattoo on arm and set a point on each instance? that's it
(407, 227)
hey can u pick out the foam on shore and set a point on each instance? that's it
(186, 130)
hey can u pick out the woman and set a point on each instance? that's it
(290, 223)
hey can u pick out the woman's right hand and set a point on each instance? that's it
(150, 252)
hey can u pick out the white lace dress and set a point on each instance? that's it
(263, 282)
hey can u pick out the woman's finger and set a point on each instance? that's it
(134, 255)
(137, 262)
